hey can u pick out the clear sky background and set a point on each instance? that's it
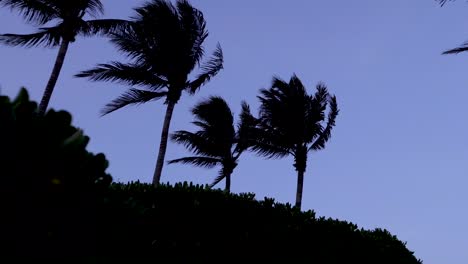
(398, 156)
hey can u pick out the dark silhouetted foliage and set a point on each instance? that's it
(50, 180)
(192, 224)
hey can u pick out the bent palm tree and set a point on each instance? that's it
(216, 143)
(165, 44)
(291, 122)
(68, 17)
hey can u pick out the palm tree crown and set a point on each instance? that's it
(216, 143)
(292, 122)
(164, 44)
(68, 22)
(68, 17)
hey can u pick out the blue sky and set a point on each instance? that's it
(398, 157)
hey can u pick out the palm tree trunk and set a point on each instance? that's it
(163, 144)
(300, 185)
(53, 77)
(228, 183)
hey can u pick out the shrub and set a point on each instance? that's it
(49, 179)
(191, 224)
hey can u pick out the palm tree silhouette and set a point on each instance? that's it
(68, 19)
(291, 122)
(216, 143)
(165, 44)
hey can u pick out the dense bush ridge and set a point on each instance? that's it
(192, 224)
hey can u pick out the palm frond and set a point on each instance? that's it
(283, 110)
(162, 8)
(195, 143)
(318, 104)
(280, 84)
(194, 29)
(94, 7)
(132, 97)
(77, 8)
(321, 95)
(131, 74)
(443, 2)
(49, 37)
(245, 113)
(140, 43)
(245, 129)
(218, 179)
(275, 104)
(205, 162)
(326, 133)
(269, 145)
(38, 12)
(208, 70)
(297, 86)
(460, 49)
(202, 125)
(214, 111)
(153, 36)
(103, 27)
(216, 122)
(130, 41)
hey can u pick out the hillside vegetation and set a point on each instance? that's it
(62, 206)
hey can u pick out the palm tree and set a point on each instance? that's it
(164, 44)
(68, 19)
(292, 122)
(216, 143)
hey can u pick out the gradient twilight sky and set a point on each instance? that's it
(398, 156)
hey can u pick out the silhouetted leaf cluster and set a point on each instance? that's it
(50, 182)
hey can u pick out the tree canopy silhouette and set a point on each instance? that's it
(216, 143)
(292, 122)
(164, 44)
(68, 19)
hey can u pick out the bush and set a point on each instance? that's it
(192, 224)
(48, 178)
